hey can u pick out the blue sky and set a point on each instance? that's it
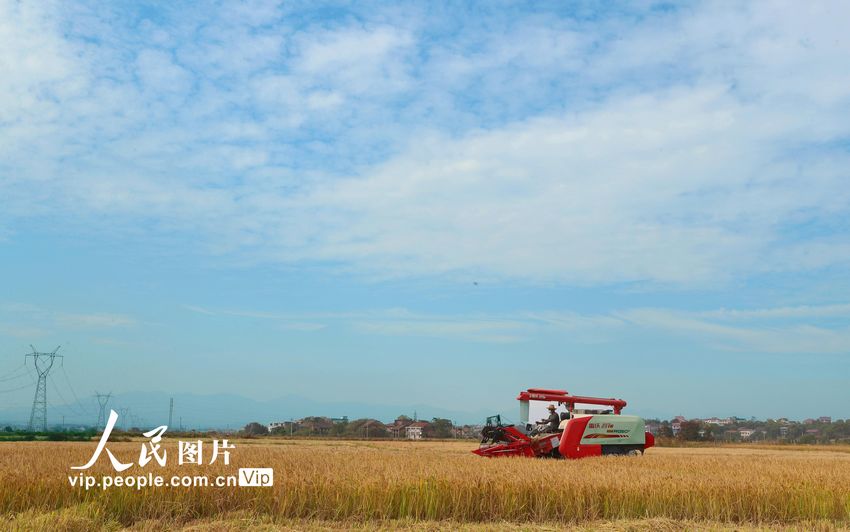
(431, 203)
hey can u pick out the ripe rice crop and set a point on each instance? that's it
(419, 482)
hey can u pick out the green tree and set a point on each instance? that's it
(440, 428)
(280, 431)
(339, 429)
(363, 428)
(255, 429)
(689, 431)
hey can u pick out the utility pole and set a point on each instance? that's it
(102, 400)
(43, 362)
(170, 411)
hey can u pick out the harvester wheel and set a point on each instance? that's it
(634, 452)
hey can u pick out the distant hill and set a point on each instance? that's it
(224, 411)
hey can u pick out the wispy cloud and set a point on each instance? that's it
(95, 320)
(770, 330)
(740, 334)
(480, 330)
(24, 320)
(803, 311)
(396, 322)
(303, 326)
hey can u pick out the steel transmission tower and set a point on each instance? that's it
(102, 400)
(42, 362)
(170, 411)
(124, 415)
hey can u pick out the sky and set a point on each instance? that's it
(437, 203)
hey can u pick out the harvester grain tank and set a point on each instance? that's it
(581, 432)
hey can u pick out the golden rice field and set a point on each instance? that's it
(433, 485)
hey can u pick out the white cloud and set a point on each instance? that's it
(158, 72)
(679, 152)
(356, 60)
(664, 188)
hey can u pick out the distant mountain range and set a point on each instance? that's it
(226, 411)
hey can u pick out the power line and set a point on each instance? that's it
(61, 397)
(17, 368)
(6, 379)
(27, 385)
(77, 399)
(11, 374)
(66, 405)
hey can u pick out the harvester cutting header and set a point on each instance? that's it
(574, 433)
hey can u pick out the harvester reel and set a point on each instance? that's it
(492, 434)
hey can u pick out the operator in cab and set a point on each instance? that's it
(552, 421)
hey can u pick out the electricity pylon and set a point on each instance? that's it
(102, 400)
(124, 415)
(42, 362)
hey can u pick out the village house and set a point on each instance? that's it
(397, 428)
(415, 430)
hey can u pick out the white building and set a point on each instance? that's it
(746, 433)
(414, 430)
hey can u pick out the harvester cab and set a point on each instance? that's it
(580, 433)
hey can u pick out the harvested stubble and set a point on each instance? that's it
(366, 481)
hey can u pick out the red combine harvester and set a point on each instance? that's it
(579, 433)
